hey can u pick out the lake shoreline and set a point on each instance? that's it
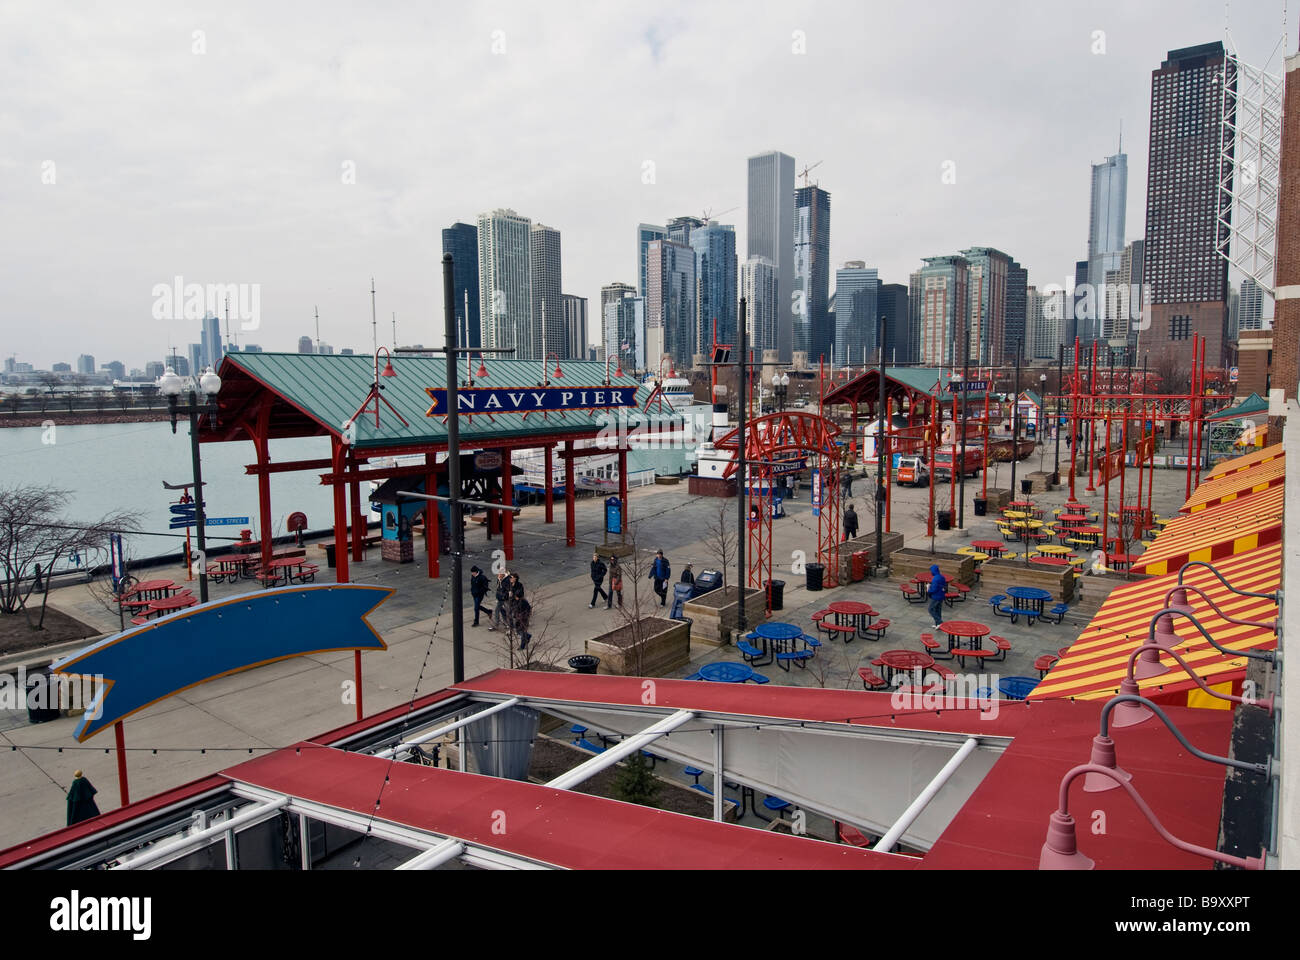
(83, 418)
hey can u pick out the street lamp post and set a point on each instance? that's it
(171, 386)
(781, 388)
(1060, 388)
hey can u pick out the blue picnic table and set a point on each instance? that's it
(726, 671)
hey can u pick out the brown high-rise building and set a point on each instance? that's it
(1286, 315)
(1181, 262)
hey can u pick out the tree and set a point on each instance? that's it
(720, 538)
(34, 537)
(634, 783)
(637, 606)
(546, 645)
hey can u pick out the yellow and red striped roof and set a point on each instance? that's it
(1240, 483)
(1096, 662)
(1245, 462)
(1217, 532)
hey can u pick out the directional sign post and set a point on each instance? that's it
(182, 515)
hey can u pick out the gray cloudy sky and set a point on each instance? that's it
(227, 166)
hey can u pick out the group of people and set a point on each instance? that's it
(660, 572)
(512, 607)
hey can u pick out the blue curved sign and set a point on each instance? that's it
(151, 662)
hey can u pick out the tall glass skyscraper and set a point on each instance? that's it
(856, 314)
(1105, 232)
(758, 287)
(575, 327)
(461, 241)
(940, 305)
(625, 332)
(505, 283)
(812, 271)
(715, 283)
(646, 233)
(547, 295)
(671, 313)
(770, 232)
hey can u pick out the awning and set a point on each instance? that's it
(1096, 662)
(1215, 533)
(1252, 406)
(1245, 462)
(1233, 486)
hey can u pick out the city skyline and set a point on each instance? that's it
(313, 224)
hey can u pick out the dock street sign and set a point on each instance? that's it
(473, 400)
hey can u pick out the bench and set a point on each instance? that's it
(588, 745)
(1015, 613)
(758, 678)
(845, 630)
(1059, 611)
(139, 621)
(911, 594)
(962, 654)
(943, 673)
(705, 790)
(750, 653)
(1045, 663)
(1002, 645)
(870, 680)
(997, 601)
(783, 660)
(308, 572)
(876, 631)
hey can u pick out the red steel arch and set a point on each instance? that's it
(770, 442)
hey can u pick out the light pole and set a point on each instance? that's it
(780, 388)
(171, 386)
(1060, 388)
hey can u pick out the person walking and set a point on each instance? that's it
(938, 590)
(81, 799)
(688, 576)
(850, 523)
(502, 596)
(521, 611)
(598, 569)
(478, 589)
(660, 571)
(615, 583)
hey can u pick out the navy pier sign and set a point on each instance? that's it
(473, 400)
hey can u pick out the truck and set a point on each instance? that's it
(972, 460)
(913, 472)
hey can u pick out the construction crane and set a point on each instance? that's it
(808, 169)
(708, 215)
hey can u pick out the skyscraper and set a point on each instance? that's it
(987, 299)
(939, 304)
(1107, 204)
(196, 357)
(85, 363)
(770, 232)
(856, 314)
(547, 295)
(575, 327)
(1015, 330)
(892, 304)
(715, 283)
(679, 229)
(211, 339)
(1188, 278)
(671, 314)
(645, 234)
(1042, 331)
(625, 331)
(505, 292)
(115, 369)
(1123, 301)
(758, 286)
(305, 345)
(461, 241)
(1250, 312)
(812, 250)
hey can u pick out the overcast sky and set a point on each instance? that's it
(222, 157)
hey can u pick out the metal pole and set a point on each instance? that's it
(742, 578)
(1060, 380)
(457, 531)
(959, 459)
(1015, 423)
(882, 451)
(199, 518)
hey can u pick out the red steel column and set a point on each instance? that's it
(262, 444)
(570, 537)
(550, 496)
(359, 524)
(337, 467)
(120, 736)
(507, 500)
(1074, 417)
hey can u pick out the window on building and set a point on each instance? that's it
(1180, 328)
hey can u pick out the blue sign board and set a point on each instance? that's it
(182, 515)
(224, 521)
(151, 662)
(967, 385)
(613, 515)
(531, 399)
(816, 492)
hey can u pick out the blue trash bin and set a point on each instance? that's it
(681, 593)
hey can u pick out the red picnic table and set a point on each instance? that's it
(1120, 561)
(855, 610)
(169, 604)
(959, 630)
(290, 566)
(902, 661)
(150, 590)
(993, 548)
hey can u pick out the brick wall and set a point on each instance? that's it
(1286, 323)
(1252, 362)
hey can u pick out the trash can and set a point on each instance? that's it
(584, 663)
(329, 555)
(945, 519)
(859, 561)
(815, 573)
(776, 594)
(707, 580)
(1026, 486)
(981, 507)
(681, 593)
(42, 705)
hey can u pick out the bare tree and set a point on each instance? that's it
(636, 606)
(720, 538)
(546, 645)
(34, 537)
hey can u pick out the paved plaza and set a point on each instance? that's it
(218, 723)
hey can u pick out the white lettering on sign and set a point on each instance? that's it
(540, 399)
(565, 397)
(465, 401)
(516, 399)
(492, 401)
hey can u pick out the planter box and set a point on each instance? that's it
(998, 498)
(664, 648)
(997, 575)
(907, 562)
(716, 615)
(890, 542)
(1039, 481)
